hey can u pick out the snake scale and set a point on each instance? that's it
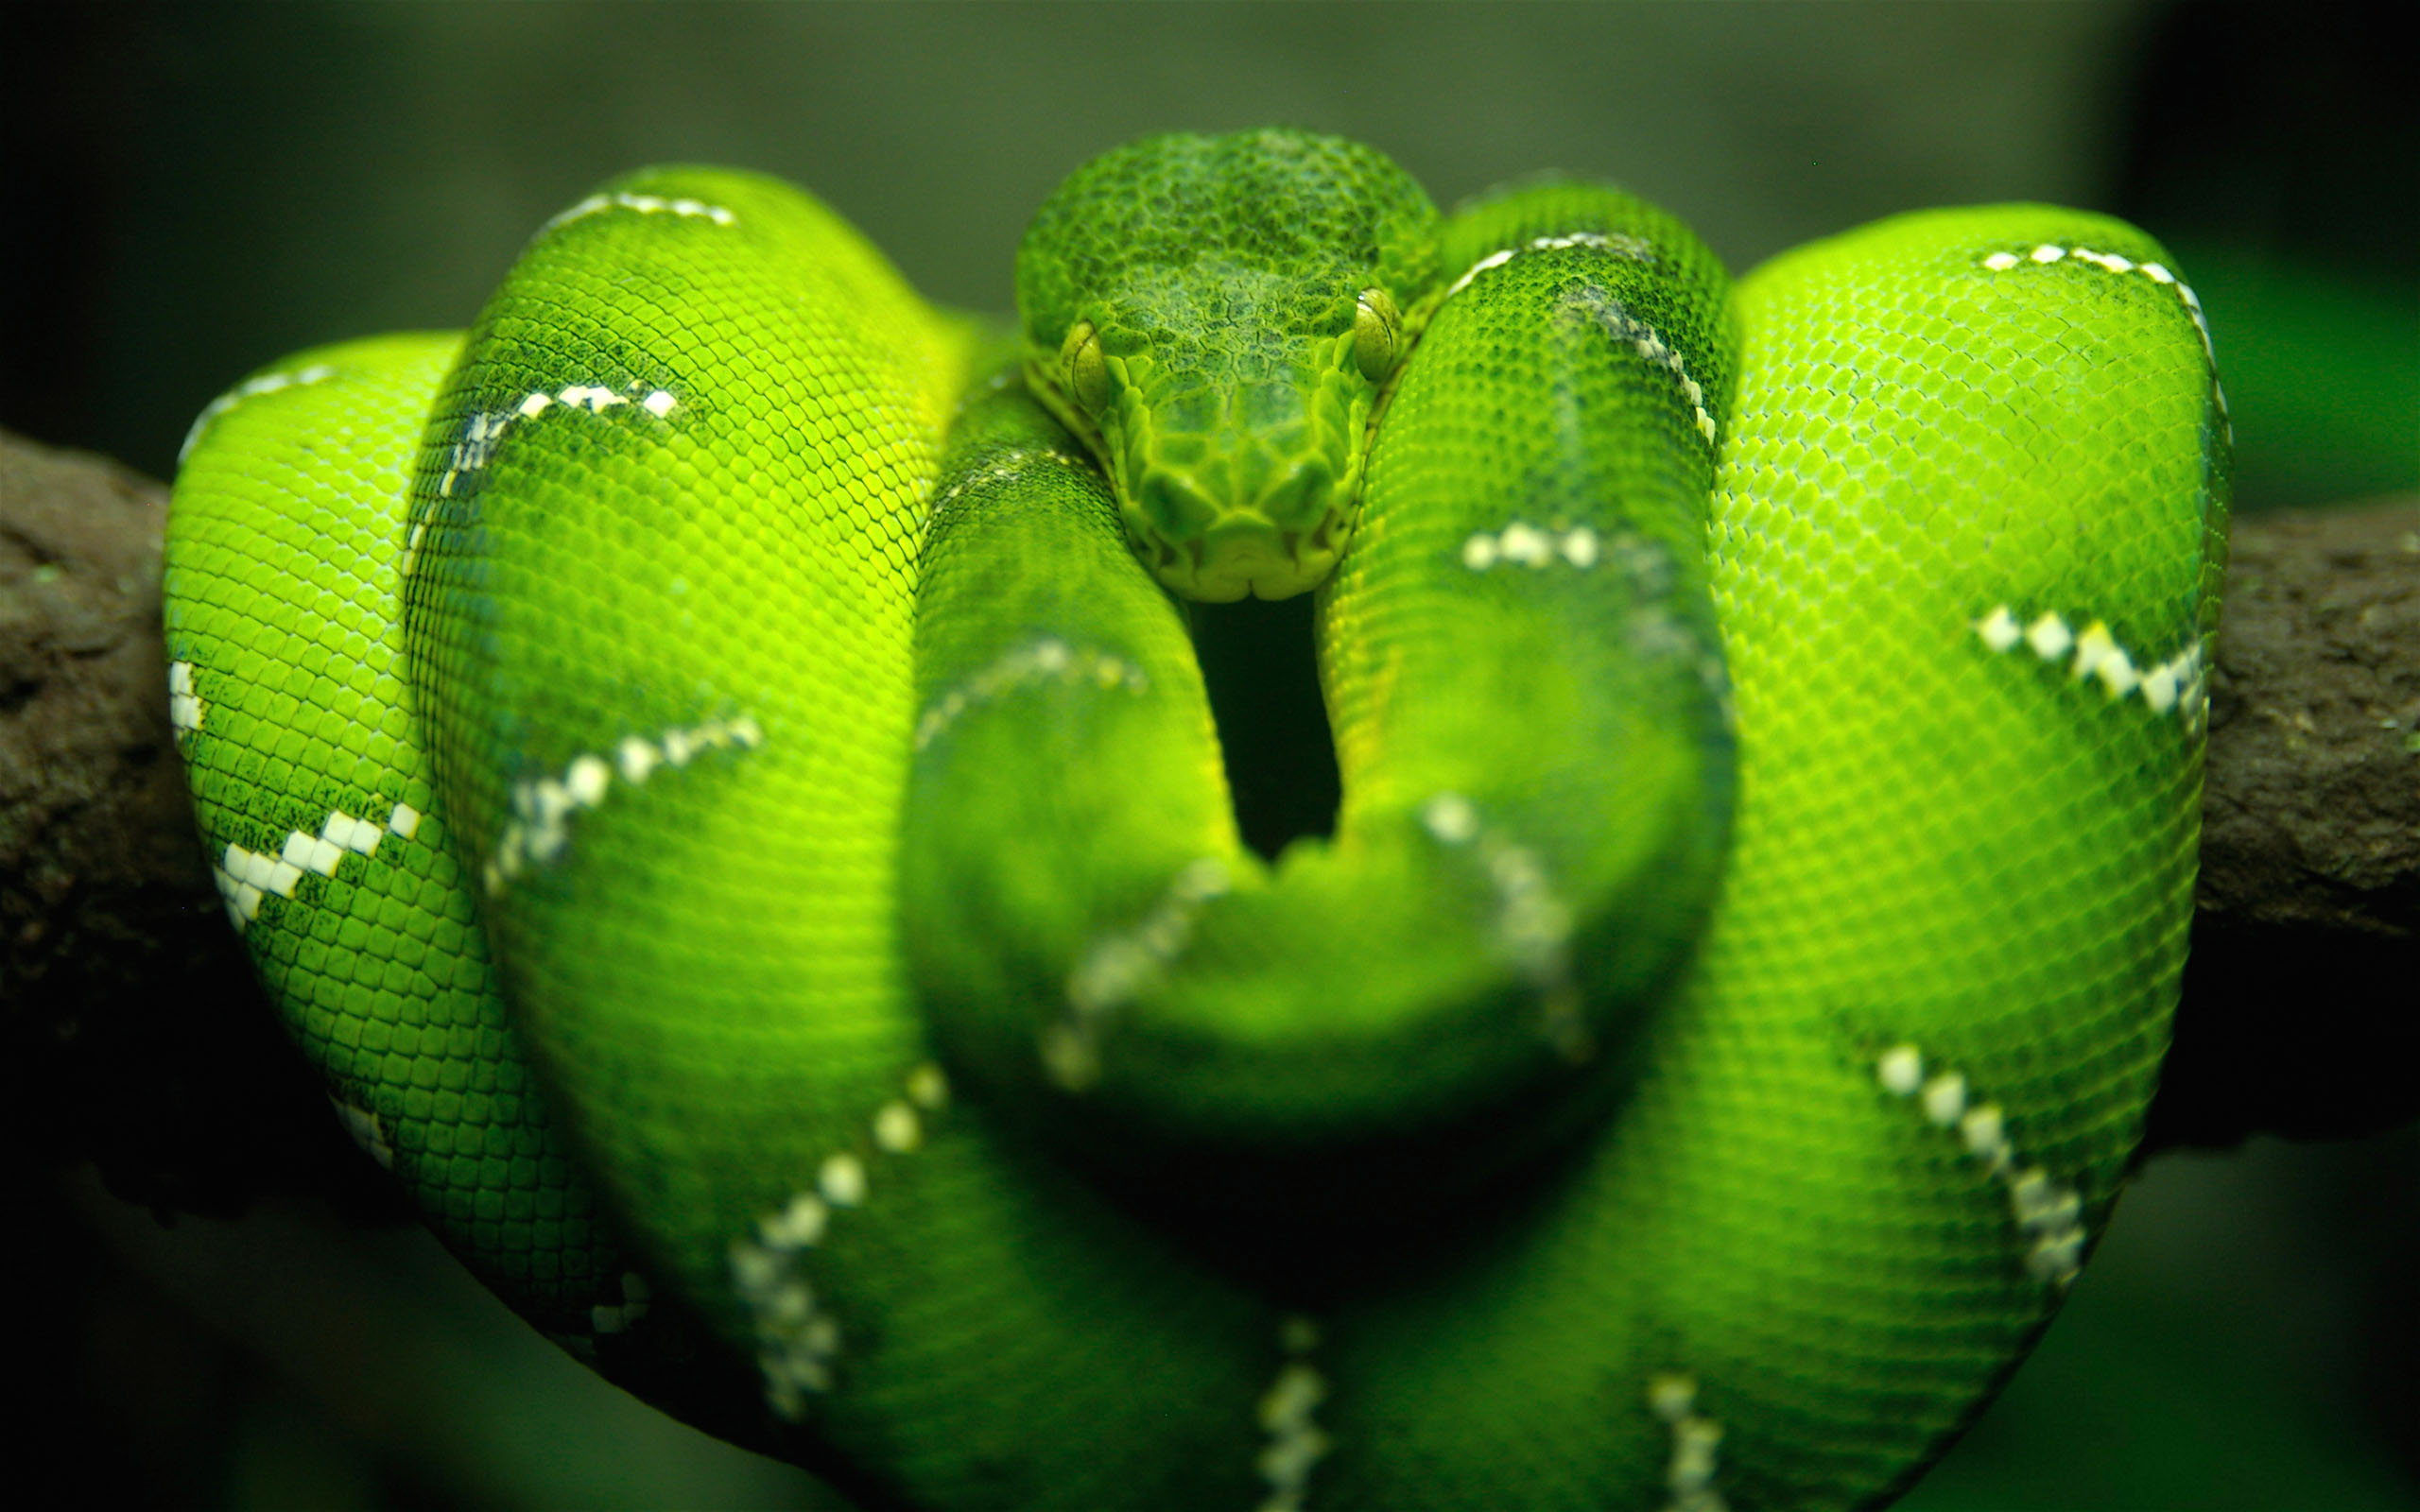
(714, 766)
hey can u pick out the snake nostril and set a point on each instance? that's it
(1297, 499)
(1173, 505)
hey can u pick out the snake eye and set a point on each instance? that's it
(1087, 371)
(1377, 328)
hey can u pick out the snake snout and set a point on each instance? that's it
(1213, 535)
(1174, 505)
(1299, 495)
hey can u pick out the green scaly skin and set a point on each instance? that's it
(1461, 970)
(1218, 285)
(1691, 1075)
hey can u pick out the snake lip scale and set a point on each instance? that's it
(715, 764)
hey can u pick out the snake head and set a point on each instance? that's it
(1217, 316)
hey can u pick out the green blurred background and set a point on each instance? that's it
(189, 191)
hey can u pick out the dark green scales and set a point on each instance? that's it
(1769, 723)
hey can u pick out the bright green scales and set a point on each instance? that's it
(1769, 722)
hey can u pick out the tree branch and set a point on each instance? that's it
(136, 1038)
(2301, 1012)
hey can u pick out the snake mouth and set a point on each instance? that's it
(1243, 559)
(1286, 542)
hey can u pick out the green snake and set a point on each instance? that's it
(714, 764)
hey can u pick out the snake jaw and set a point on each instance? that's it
(1204, 546)
(1175, 493)
(1246, 491)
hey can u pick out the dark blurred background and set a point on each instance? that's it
(189, 191)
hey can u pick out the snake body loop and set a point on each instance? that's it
(710, 767)
(1458, 965)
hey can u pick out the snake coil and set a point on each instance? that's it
(713, 766)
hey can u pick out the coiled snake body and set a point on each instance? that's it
(710, 766)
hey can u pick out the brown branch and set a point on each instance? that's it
(2301, 1012)
(136, 1039)
(135, 1036)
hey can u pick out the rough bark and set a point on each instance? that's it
(2301, 1013)
(135, 1035)
(131, 1032)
